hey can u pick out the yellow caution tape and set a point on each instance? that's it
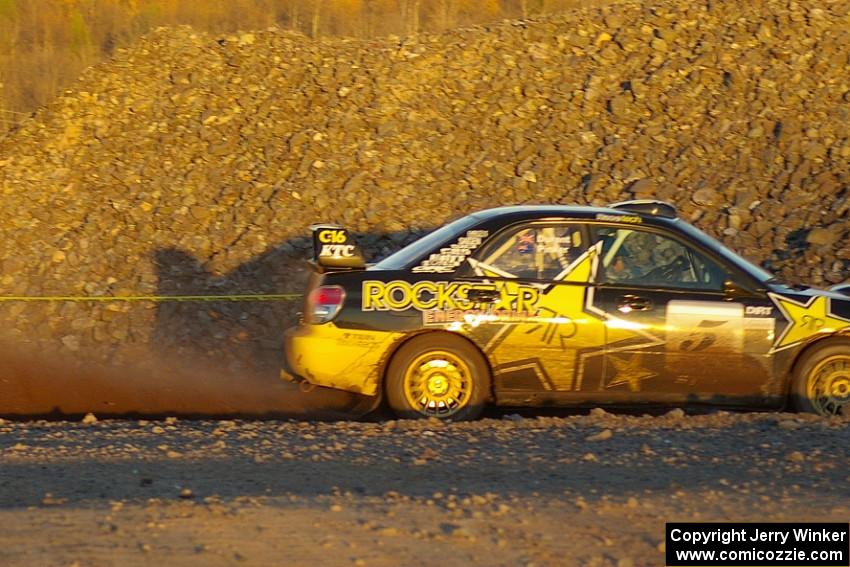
(153, 298)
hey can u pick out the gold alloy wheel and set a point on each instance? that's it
(438, 383)
(828, 385)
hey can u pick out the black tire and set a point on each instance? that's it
(825, 365)
(464, 365)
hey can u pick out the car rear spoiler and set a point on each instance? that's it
(334, 249)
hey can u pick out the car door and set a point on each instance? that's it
(538, 347)
(682, 325)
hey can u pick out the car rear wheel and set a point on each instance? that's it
(822, 379)
(437, 375)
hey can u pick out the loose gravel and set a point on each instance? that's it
(590, 489)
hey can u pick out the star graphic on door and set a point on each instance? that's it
(631, 372)
(566, 316)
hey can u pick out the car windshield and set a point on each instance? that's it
(762, 275)
(415, 250)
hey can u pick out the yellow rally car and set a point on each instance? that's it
(556, 305)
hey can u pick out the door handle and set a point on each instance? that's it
(485, 295)
(629, 303)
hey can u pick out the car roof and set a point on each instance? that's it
(498, 218)
(555, 210)
(521, 212)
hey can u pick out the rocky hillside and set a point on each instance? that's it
(194, 164)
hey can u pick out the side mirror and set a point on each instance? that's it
(734, 290)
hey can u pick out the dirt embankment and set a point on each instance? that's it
(192, 164)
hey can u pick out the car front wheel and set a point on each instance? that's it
(437, 375)
(822, 379)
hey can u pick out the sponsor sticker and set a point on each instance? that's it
(450, 257)
(557, 245)
(336, 251)
(632, 219)
(758, 310)
(451, 302)
(334, 243)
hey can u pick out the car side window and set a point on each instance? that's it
(541, 252)
(643, 258)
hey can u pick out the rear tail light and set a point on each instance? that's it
(324, 303)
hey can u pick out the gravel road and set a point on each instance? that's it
(589, 489)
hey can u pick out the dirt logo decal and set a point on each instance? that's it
(806, 319)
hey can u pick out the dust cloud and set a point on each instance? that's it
(39, 381)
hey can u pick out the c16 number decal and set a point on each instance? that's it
(333, 236)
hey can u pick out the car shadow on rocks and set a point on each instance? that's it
(243, 339)
(175, 358)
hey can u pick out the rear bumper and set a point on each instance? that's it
(286, 373)
(326, 355)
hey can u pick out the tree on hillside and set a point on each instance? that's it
(410, 14)
(316, 17)
(44, 44)
(347, 17)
